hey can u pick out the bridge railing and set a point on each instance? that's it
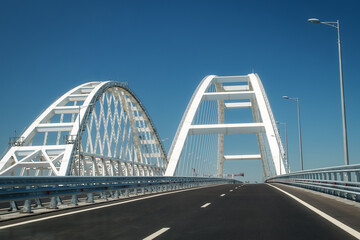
(342, 181)
(33, 189)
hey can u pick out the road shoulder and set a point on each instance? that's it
(344, 210)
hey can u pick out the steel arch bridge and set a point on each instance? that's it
(95, 129)
(102, 129)
(199, 140)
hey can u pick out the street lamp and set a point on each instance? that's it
(337, 26)
(300, 144)
(286, 143)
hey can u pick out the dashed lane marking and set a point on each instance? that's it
(205, 205)
(222, 195)
(156, 234)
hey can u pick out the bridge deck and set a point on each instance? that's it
(253, 211)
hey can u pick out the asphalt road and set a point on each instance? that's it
(253, 211)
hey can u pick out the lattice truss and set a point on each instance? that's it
(198, 146)
(95, 129)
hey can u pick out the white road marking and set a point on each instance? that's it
(222, 195)
(339, 224)
(97, 207)
(231, 190)
(205, 205)
(156, 234)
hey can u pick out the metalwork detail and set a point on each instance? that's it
(105, 131)
(32, 188)
(343, 181)
(228, 92)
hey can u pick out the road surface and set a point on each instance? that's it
(250, 211)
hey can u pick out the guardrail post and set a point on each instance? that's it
(90, 198)
(58, 199)
(53, 203)
(27, 206)
(74, 200)
(348, 174)
(13, 206)
(342, 176)
(103, 195)
(38, 203)
(116, 194)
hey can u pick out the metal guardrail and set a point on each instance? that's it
(342, 181)
(29, 189)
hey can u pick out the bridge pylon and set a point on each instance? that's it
(229, 92)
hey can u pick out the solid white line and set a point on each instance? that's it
(97, 207)
(222, 195)
(155, 234)
(205, 205)
(324, 215)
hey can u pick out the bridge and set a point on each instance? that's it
(92, 165)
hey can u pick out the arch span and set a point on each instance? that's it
(228, 92)
(95, 129)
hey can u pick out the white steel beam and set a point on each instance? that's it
(236, 88)
(238, 105)
(183, 130)
(86, 89)
(228, 95)
(231, 79)
(54, 127)
(232, 128)
(77, 97)
(269, 123)
(66, 109)
(243, 157)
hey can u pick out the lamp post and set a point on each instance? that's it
(337, 26)
(286, 145)
(300, 144)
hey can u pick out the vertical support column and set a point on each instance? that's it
(221, 120)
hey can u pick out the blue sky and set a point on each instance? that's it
(164, 48)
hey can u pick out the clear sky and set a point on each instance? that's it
(164, 48)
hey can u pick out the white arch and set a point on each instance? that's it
(250, 88)
(105, 128)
